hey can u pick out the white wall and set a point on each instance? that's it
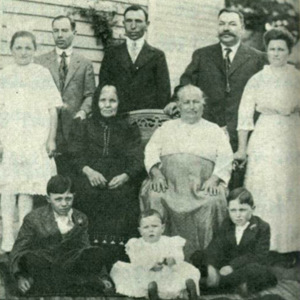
(178, 27)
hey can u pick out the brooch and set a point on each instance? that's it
(252, 226)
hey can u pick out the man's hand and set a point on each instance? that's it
(170, 261)
(51, 147)
(172, 110)
(226, 270)
(240, 155)
(118, 181)
(157, 267)
(95, 178)
(211, 186)
(158, 180)
(24, 284)
(80, 114)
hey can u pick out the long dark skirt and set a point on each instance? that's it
(112, 214)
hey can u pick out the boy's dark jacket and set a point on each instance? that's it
(253, 248)
(40, 235)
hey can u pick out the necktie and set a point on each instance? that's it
(63, 70)
(134, 52)
(227, 67)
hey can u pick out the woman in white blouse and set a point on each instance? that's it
(273, 171)
(28, 122)
(189, 162)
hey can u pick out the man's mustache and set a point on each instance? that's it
(227, 33)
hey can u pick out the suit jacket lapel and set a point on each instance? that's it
(240, 58)
(73, 66)
(124, 58)
(50, 223)
(53, 67)
(231, 234)
(249, 232)
(144, 56)
(216, 57)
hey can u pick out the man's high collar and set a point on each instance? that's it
(233, 48)
(139, 43)
(68, 51)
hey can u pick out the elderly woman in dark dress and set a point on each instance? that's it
(108, 158)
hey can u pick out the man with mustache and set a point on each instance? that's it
(222, 71)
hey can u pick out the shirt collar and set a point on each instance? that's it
(139, 43)
(68, 51)
(69, 215)
(233, 48)
(242, 228)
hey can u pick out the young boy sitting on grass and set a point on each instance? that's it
(236, 257)
(52, 250)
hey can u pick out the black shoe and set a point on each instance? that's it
(153, 291)
(191, 289)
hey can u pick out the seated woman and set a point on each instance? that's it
(108, 158)
(189, 161)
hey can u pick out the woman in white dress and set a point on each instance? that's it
(28, 122)
(273, 171)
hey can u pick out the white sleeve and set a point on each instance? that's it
(247, 106)
(51, 93)
(153, 149)
(224, 159)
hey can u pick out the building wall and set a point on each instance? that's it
(179, 27)
(36, 15)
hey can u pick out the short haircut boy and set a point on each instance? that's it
(59, 184)
(242, 194)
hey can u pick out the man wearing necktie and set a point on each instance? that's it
(222, 71)
(74, 78)
(138, 70)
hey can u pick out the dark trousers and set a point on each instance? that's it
(50, 277)
(257, 276)
(64, 164)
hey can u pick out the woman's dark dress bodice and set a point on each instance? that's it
(111, 147)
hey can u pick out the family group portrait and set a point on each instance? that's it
(149, 149)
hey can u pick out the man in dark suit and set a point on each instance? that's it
(222, 71)
(237, 256)
(138, 70)
(75, 79)
(52, 250)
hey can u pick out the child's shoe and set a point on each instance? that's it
(153, 291)
(191, 289)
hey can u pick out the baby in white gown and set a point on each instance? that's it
(157, 266)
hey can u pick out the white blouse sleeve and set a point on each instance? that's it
(224, 157)
(247, 106)
(153, 149)
(51, 93)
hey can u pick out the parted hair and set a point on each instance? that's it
(136, 8)
(241, 194)
(231, 10)
(23, 34)
(60, 17)
(279, 34)
(59, 184)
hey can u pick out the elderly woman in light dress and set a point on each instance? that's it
(189, 162)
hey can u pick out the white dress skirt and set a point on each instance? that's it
(132, 279)
(273, 170)
(27, 94)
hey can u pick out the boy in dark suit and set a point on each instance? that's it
(52, 250)
(236, 257)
